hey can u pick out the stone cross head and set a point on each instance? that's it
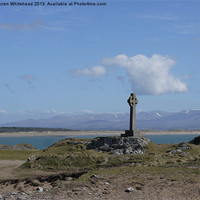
(132, 101)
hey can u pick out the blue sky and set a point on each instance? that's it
(90, 58)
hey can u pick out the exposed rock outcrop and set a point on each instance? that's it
(195, 141)
(120, 145)
(180, 149)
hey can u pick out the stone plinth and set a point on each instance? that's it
(130, 133)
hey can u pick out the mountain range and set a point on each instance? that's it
(155, 120)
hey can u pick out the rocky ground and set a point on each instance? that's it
(113, 187)
(161, 172)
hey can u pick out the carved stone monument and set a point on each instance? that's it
(132, 101)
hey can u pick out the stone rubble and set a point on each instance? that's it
(20, 195)
(180, 149)
(119, 145)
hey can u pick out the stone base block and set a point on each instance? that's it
(128, 133)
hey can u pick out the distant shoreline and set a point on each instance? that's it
(93, 133)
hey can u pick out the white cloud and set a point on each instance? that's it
(149, 75)
(93, 71)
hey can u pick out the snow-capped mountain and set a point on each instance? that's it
(157, 120)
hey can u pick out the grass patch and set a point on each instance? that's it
(80, 160)
(133, 173)
(156, 149)
(16, 154)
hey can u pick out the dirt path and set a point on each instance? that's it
(7, 167)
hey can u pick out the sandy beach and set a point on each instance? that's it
(97, 133)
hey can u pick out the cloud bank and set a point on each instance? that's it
(149, 76)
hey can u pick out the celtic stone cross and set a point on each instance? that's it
(132, 101)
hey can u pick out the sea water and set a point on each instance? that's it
(42, 142)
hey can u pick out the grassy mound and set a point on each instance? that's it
(71, 155)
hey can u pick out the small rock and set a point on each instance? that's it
(28, 192)
(31, 159)
(13, 193)
(129, 150)
(68, 178)
(183, 146)
(130, 189)
(172, 151)
(39, 189)
(132, 164)
(105, 192)
(107, 183)
(21, 197)
(94, 176)
(179, 150)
